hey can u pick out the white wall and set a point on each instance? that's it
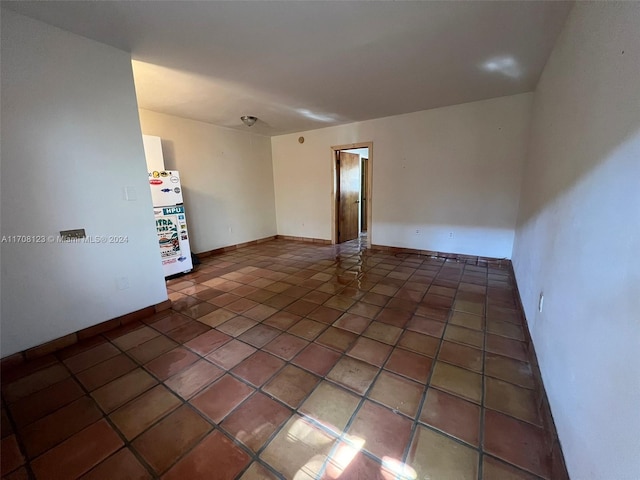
(448, 170)
(71, 142)
(578, 239)
(227, 178)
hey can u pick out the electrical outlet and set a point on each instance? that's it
(540, 302)
(450, 234)
(417, 231)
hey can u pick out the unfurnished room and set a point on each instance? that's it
(337, 240)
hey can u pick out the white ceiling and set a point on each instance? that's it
(310, 64)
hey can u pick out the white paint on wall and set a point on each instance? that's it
(578, 239)
(227, 179)
(71, 144)
(453, 170)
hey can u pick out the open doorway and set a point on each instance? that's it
(351, 199)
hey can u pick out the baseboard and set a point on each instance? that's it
(320, 241)
(231, 248)
(75, 337)
(474, 259)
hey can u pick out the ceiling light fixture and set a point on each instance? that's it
(248, 120)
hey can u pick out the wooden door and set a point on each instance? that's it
(363, 190)
(348, 169)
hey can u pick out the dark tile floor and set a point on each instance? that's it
(297, 361)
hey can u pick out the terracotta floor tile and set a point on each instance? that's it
(121, 390)
(6, 428)
(106, 371)
(236, 326)
(153, 348)
(504, 314)
(458, 381)
(307, 329)
(467, 320)
(257, 472)
(91, 357)
(353, 374)
(186, 332)
(494, 468)
(259, 335)
(135, 338)
(298, 450)
(241, 305)
(199, 309)
(432, 313)
(258, 368)
(391, 316)
(170, 322)
(11, 457)
(170, 363)
(260, 312)
(44, 402)
(461, 355)
(386, 434)
(509, 370)
(465, 336)
(387, 290)
(409, 364)
(353, 323)
(370, 351)
(506, 329)
(301, 307)
(382, 332)
(347, 462)
(219, 399)
(169, 439)
(317, 297)
(34, 382)
(193, 378)
(516, 442)
(136, 416)
(438, 302)
(230, 354)
(316, 359)
(427, 326)
(325, 314)
(507, 347)
(217, 317)
(255, 420)
(330, 406)
(208, 342)
(433, 455)
(397, 393)
(59, 425)
(122, 464)
(224, 300)
(285, 346)
(291, 385)
(452, 415)
(216, 453)
(419, 343)
(366, 310)
(513, 400)
(78, 454)
(282, 320)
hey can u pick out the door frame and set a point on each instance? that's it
(335, 217)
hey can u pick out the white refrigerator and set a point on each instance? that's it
(171, 221)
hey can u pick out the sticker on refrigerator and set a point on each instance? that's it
(155, 181)
(167, 237)
(173, 210)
